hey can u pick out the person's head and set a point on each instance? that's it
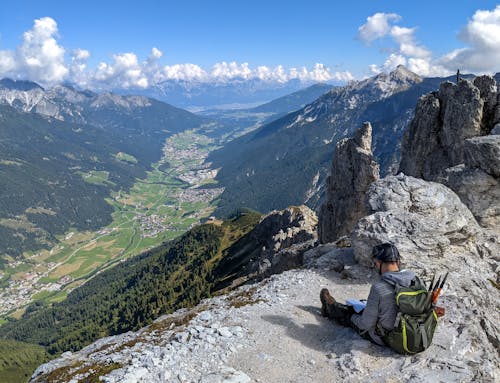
(386, 257)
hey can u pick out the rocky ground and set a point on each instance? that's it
(274, 332)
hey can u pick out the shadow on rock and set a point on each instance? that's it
(327, 336)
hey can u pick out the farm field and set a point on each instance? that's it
(169, 201)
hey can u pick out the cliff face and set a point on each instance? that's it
(454, 139)
(353, 170)
(435, 139)
(273, 246)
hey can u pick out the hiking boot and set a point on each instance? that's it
(326, 301)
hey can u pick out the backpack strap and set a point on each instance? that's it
(425, 341)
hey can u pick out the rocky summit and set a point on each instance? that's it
(273, 331)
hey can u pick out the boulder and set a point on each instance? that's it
(477, 181)
(353, 170)
(421, 218)
(483, 153)
(479, 191)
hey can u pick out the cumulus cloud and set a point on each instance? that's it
(406, 50)
(124, 72)
(186, 72)
(78, 66)
(40, 58)
(481, 54)
(482, 36)
(377, 26)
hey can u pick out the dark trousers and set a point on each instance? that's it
(342, 315)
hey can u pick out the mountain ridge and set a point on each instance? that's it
(263, 164)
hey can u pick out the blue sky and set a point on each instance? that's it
(260, 33)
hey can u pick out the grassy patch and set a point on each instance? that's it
(125, 157)
(96, 177)
(18, 360)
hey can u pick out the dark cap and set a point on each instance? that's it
(386, 253)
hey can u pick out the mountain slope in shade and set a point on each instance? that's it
(285, 162)
(52, 138)
(244, 120)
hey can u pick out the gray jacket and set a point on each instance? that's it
(381, 304)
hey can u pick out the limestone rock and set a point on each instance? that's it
(484, 153)
(353, 170)
(496, 129)
(461, 114)
(477, 181)
(274, 245)
(226, 375)
(479, 191)
(435, 139)
(488, 90)
(421, 218)
(421, 140)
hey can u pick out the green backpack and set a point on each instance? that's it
(415, 322)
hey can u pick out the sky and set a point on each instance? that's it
(134, 44)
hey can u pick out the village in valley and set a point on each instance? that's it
(177, 194)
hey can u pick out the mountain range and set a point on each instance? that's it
(236, 92)
(285, 162)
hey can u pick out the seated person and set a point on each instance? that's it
(381, 310)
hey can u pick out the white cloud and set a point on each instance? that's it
(185, 72)
(482, 35)
(7, 62)
(377, 26)
(481, 55)
(125, 72)
(156, 53)
(40, 58)
(405, 51)
(78, 66)
(225, 71)
(407, 45)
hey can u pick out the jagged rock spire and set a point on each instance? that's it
(435, 139)
(353, 170)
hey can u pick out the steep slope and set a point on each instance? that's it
(14, 355)
(59, 157)
(293, 101)
(135, 292)
(286, 161)
(243, 121)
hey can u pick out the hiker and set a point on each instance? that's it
(380, 313)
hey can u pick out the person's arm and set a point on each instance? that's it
(368, 319)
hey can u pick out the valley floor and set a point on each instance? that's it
(159, 208)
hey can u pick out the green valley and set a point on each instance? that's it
(158, 208)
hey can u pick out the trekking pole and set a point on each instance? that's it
(432, 282)
(434, 288)
(438, 291)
